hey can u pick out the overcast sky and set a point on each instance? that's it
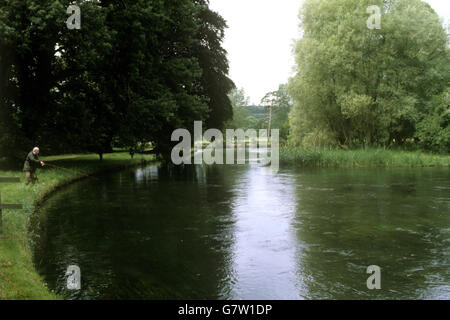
(260, 38)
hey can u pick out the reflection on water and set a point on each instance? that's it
(264, 238)
(236, 232)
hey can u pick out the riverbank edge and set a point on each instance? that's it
(360, 158)
(26, 260)
(65, 183)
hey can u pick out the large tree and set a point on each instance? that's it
(356, 85)
(216, 84)
(134, 72)
(29, 30)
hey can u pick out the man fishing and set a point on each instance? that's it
(32, 162)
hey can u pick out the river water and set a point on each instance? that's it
(236, 232)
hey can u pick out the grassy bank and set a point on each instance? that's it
(18, 277)
(361, 158)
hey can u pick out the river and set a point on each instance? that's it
(236, 232)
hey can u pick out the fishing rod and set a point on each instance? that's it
(84, 174)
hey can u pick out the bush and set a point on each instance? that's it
(433, 131)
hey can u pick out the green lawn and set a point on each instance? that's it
(18, 277)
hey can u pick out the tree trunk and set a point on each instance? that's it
(101, 156)
(270, 122)
(368, 141)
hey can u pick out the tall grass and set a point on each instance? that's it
(18, 277)
(360, 158)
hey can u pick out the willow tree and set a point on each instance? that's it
(360, 85)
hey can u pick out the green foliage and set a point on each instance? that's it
(257, 112)
(241, 113)
(256, 117)
(356, 86)
(214, 64)
(372, 157)
(238, 98)
(134, 72)
(434, 130)
(282, 108)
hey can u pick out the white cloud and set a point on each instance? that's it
(260, 37)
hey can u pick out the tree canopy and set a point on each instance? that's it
(134, 72)
(361, 86)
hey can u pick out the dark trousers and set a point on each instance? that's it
(31, 177)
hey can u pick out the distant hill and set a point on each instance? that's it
(257, 111)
